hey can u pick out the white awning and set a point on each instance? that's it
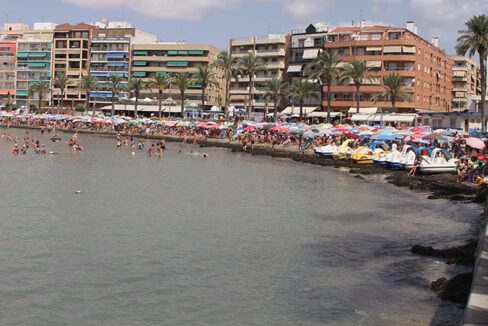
(296, 110)
(393, 49)
(363, 110)
(409, 49)
(373, 48)
(360, 117)
(294, 68)
(341, 64)
(144, 108)
(324, 114)
(310, 53)
(374, 64)
(399, 117)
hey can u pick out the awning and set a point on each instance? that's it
(139, 74)
(22, 93)
(117, 55)
(22, 54)
(117, 64)
(324, 114)
(100, 74)
(393, 49)
(399, 117)
(139, 53)
(177, 64)
(37, 55)
(373, 48)
(184, 52)
(341, 64)
(360, 117)
(195, 52)
(37, 64)
(172, 52)
(310, 53)
(140, 63)
(459, 74)
(363, 110)
(374, 64)
(294, 68)
(195, 86)
(409, 49)
(296, 110)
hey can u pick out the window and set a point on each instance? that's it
(418, 67)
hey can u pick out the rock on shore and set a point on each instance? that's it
(455, 290)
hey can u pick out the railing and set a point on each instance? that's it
(108, 49)
(114, 69)
(398, 69)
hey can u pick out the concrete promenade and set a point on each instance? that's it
(476, 312)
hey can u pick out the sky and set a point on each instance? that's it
(215, 22)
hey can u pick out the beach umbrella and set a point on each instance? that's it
(409, 138)
(249, 128)
(309, 134)
(417, 129)
(365, 137)
(133, 122)
(354, 136)
(386, 137)
(297, 132)
(481, 157)
(475, 143)
(433, 137)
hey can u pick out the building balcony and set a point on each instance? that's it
(276, 65)
(271, 53)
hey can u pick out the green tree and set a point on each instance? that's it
(472, 40)
(275, 89)
(41, 88)
(205, 77)
(393, 86)
(161, 83)
(182, 80)
(302, 89)
(115, 84)
(61, 82)
(87, 85)
(327, 70)
(227, 63)
(357, 71)
(249, 65)
(136, 85)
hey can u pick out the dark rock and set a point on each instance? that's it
(357, 176)
(463, 255)
(455, 290)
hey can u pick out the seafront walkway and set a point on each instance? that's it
(476, 312)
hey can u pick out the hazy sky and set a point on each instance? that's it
(216, 21)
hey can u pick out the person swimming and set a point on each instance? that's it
(15, 149)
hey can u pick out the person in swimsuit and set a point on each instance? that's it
(416, 165)
(15, 149)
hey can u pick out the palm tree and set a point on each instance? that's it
(275, 89)
(161, 83)
(182, 80)
(393, 90)
(328, 70)
(87, 84)
(475, 40)
(249, 65)
(61, 81)
(41, 88)
(301, 89)
(205, 77)
(136, 85)
(357, 71)
(115, 85)
(227, 63)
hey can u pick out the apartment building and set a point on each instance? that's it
(8, 49)
(305, 46)
(72, 57)
(273, 50)
(466, 82)
(34, 64)
(426, 68)
(171, 58)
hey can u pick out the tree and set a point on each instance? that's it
(205, 77)
(182, 80)
(136, 85)
(227, 63)
(249, 65)
(161, 83)
(393, 85)
(41, 88)
(87, 84)
(61, 81)
(357, 71)
(327, 70)
(116, 86)
(474, 40)
(275, 89)
(301, 89)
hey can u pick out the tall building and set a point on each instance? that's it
(273, 50)
(466, 82)
(426, 68)
(171, 58)
(305, 46)
(8, 49)
(72, 57)
(34, 64)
